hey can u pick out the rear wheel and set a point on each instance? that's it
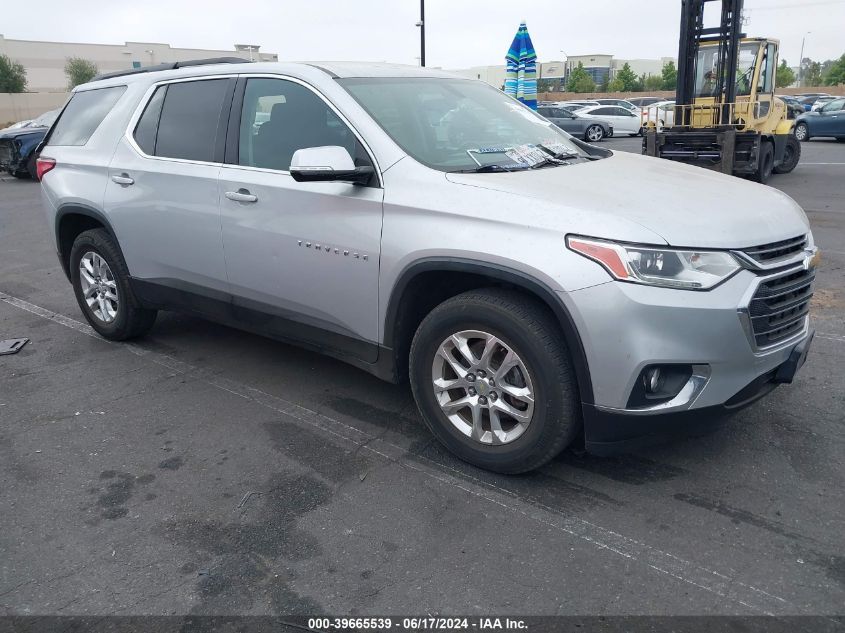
(765, 163)
(594, 134)
(101, 284)
(802, 132)
(494, 381)
(791, 156)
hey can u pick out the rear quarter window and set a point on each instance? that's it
(83, 114)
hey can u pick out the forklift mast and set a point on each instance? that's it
(693, 33)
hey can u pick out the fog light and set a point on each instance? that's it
(658, 383)
(651, 380)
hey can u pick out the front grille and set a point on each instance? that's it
(5, 153)
(776, 250)
(780, 306)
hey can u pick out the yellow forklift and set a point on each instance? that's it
(726, 116)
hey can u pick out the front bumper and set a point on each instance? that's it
(627, 327)
(10, 159)
(609, 431)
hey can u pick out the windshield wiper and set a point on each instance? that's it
(484, 169)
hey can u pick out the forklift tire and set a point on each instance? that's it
(764, 163)
(791, 156)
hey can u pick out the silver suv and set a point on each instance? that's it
(420, 226)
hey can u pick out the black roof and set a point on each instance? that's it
(173, 65)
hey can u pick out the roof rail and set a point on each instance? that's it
(173, 65)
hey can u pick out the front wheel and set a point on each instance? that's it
(494, 382)
(594, 134)
(765, 163)
(791, 156)
(802, 132)
(101, 284)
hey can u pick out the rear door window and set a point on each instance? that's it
(83, 114)
(190, 119)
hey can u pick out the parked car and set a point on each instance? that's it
(18, 145)
(829, 120)
(808, 101)
(793, 105)
(623, 103)
(592, 130)
(622, 119)
(18, 125)
(821, 101)
(641, 102)
(420, 226)
(577, 105)
(659, 114)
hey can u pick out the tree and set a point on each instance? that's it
(580, 81)
(836, 73)
(652, 83)
(811, 72)
(628, 78)
(616, 85)
(669, 74)
(79, 71)
(12, 75)
(785, 76)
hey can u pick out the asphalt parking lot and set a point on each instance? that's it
(204, 470)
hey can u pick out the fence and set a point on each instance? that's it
(670, 94)
(28, 105)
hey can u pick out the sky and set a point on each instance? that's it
(459, 33)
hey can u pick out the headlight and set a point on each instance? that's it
(667, 267)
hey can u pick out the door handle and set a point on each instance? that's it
(241, 195)
(123, 179)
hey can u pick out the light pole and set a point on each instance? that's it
(421, 25)
(566, 69)
(801, 59)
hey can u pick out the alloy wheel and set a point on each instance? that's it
(483, 387)
(594, 133)
(99, 288)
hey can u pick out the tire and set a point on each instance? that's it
(594, 133)
(125, 317)
(20, 174)
(527, 329)
(765, 163)
(802, 132)
(840, 139)
(791, 156)
(31, 167)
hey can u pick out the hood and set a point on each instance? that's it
(685, 205)
(23, 131)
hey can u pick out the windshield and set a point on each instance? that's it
(455, 124)
(706, 83)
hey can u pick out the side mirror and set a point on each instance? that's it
(330, 163)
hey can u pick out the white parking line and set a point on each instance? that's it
(720, 584)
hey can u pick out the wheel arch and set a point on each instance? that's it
(72, 219)
(426, 283)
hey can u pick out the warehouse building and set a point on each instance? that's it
(45, 61)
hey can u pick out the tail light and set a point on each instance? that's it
(43, 165)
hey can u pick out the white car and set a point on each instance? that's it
(822, 101)
(659, 114)
(623, 103)
(573, 105)
(622, 119)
